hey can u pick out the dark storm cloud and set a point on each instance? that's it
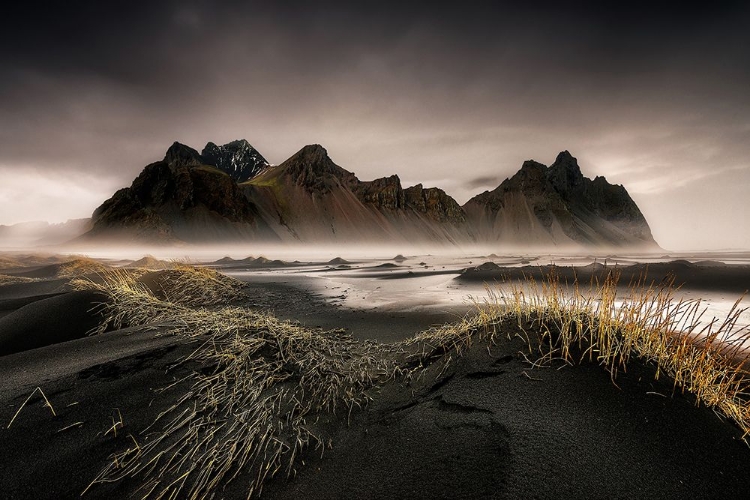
(653, 96)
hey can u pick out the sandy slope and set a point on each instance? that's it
(488, 426)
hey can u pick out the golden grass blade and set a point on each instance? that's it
(46, 403)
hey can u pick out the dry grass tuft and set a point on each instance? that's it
(198, 286)
(10, 280)
(8, 262)
(707, 358)
(254, 406)
(81, 266)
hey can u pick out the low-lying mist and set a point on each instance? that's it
(318, 252)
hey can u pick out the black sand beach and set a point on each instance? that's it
(486, 425)
(707, 276)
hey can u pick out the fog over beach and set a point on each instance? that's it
(374, 250)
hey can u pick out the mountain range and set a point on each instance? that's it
(231, 193)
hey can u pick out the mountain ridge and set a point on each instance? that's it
(558, 205)
(309, 198)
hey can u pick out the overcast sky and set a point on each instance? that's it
(455, 96)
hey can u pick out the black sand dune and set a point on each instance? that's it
(483, 429)
(338, 261)
(40, 272)
(49, 321)
(8, 306)
(89, 382)
(33, 289)
(479, 429)
(150, 262)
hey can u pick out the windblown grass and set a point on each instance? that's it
(7, 262)
(198, 286)
(76, 268)
(81, 266)
(254, 406)
(707, 358)
(11, 280)
(267, 388)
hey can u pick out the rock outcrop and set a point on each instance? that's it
(434, 203)
(179, 155)
(558, 206)
(384, 193)
(238, 159)
(312, 169)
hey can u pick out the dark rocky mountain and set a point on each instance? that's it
(312, 169)
(308, 198)
(238, 159)
(179, 155)
(558, 206)
(179, 199)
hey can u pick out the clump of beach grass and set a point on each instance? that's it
(198, 286)
(164, 294)
(255, 405)
(612, 325)
(76, 268)
(81, 266)
(12, 280)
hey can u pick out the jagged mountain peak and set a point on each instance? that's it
(179, 154)
(312, 154)
(237, 158)
(239, 143)
(312, 168)
(530, 165)
(558, 204)
(565, 174)
(531, 176)
(531, 168)
(564, 157)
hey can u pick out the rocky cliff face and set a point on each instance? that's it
(310, 198)
(238, 159)
(597, 198)
(312, 169)
(386, 193)
(558, 206)
(434, 203)
(183, 156)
